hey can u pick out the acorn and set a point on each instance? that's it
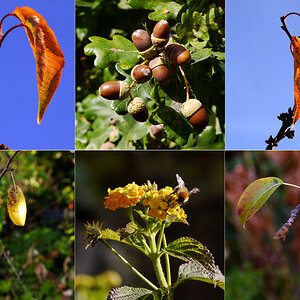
(107, 146)
(195, 113)
(156, 131)
(141, 73)
(143, 44)
(114, 90)
(137, 108)
(160, 34)
(160, 71)
(177, 54)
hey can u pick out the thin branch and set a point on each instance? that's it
(284, 131)
(9, 160)
(284, 229)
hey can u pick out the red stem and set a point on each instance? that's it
(8, 31)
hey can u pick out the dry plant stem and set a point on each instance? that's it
(9, 160)
(128, 264)
(12, 266)
(186, 84)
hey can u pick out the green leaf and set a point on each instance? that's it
(191, 271)
(200, 55)
(184, 29)
(128, 293)
(191, 250)
(131, 130)
(107, 52)
(163, 9)
(175, 125)
(255, 195)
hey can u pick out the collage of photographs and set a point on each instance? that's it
(99, 195)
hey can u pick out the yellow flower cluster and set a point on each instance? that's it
(162, 202)
(124, 197)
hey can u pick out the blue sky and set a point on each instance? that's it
(259, 72)
(18, 85)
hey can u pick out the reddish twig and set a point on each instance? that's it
(9, 160)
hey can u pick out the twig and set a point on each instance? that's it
(284, 131)
(9, 261)
(284, 229)
(9, 160)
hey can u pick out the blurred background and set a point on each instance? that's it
(97, 171)
(258, 267)
(36, 261)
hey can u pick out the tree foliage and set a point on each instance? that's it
(106, 25)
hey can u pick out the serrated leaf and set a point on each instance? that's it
(191, 250)
(128, 293)
(296, 53)
(163, 9)
(109, 234)
(192, 271)
(176, 127)
(119, 49)
(47, 53)
(131, 228)
(255, 195)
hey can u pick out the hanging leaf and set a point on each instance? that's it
(47, 53)
(296, 53)
(255, 195)
(16, 205)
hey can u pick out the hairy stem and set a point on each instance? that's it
(168, 268)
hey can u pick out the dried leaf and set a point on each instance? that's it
(48, 55)
(296, 53)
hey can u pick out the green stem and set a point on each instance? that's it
(130, 214)
(128, 264)
(296, 186)
(161, 234)
(169, 280)
(155, 258)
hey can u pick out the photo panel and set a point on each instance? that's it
(262, 75)
(36, 225)
(262, 195)
(37, 74)
(119, 206)
(150, 75)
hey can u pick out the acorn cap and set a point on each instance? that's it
(149, 53)
(124, 90)
(190, 107)
(137, 108)
(157, 61)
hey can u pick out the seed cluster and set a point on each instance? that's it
(162, 57)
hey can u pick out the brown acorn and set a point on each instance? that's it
(114, 90)
(157, 131)
(141, 73)
(177, 54)
(143, 44)
(107, 146)
(195, 113)
(137, 108)
(160, 34)
(160, 71)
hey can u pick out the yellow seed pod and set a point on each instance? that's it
(16, 205)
